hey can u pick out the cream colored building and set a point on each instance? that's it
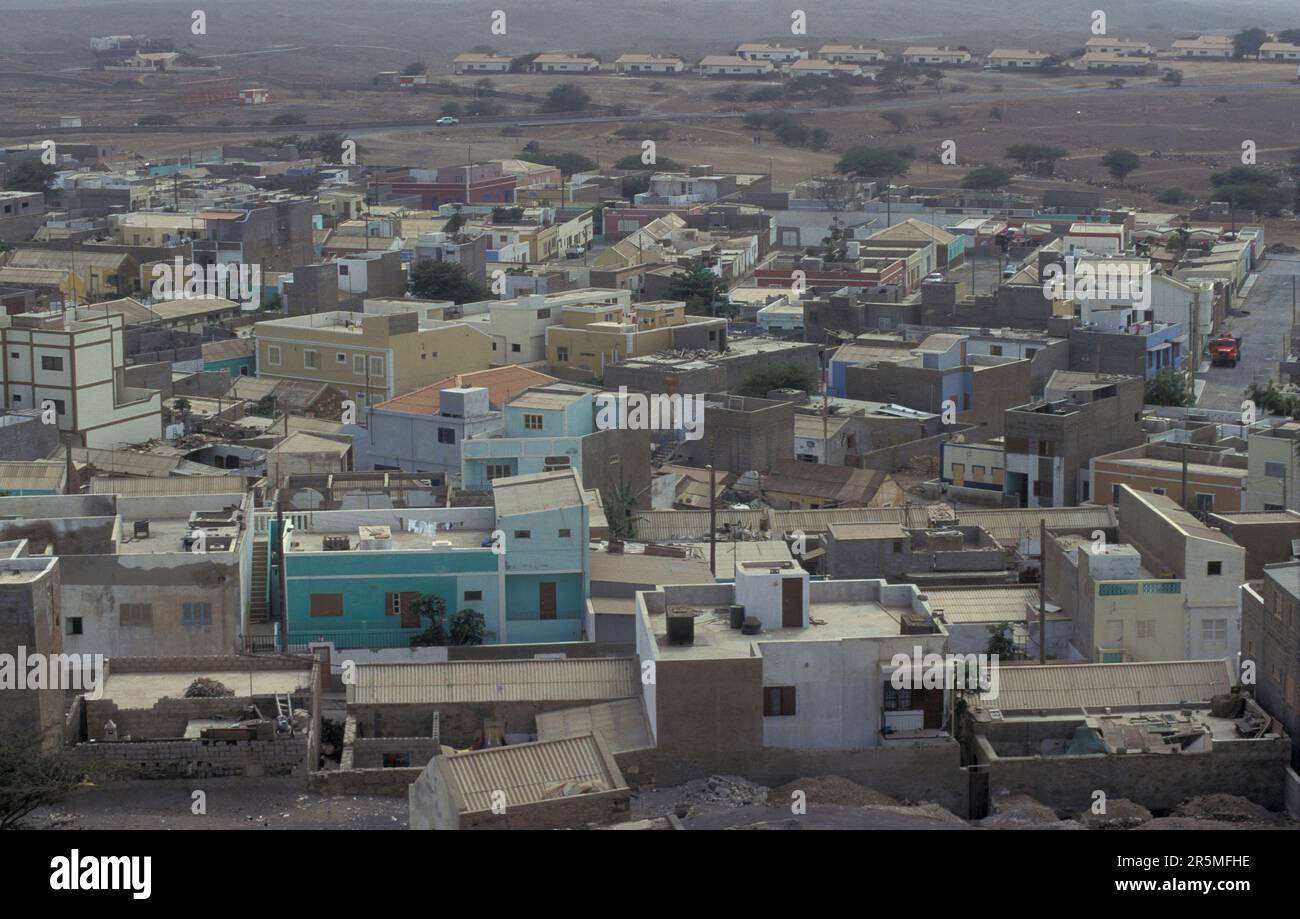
(371, 357)
(71, 363)
(157, 230)
(589, 337)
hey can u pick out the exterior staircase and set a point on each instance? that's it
(259, 607)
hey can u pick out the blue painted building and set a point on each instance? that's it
(543, 431)
(352, 577)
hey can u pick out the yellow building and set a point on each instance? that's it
(156, 230)
(370, 357)
(590, 336)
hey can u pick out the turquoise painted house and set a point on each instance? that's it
(236, 356)
(352, 577)
(544, 428)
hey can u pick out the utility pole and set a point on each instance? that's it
(713, 521)
(1184, 491)
(1042, 590)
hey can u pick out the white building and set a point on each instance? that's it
(1175, 545)
(1016, 59)
(564, 63)
(482, 63)
(941, 57)
(1212, 46)
(851, 54)
(649, 63)
(72, 363)
(718, 65)
(1105, 45)
(1279, 51)
(823, 69)
(761, 51)
(815, 669)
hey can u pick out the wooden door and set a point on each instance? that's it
(792, 603)
(959, 474)
(546, 599)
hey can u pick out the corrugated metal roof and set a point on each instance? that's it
(1070, 687)
(181, 485)
(1019, 524)
(622, 724)
(820, 521)
(658, 526)
(527, 773)
(38, 474)
(567, 680)
(538, 491)
(983, 604)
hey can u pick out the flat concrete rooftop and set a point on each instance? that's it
(714, 637)
(142, 690)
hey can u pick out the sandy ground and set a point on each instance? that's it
(232, 804)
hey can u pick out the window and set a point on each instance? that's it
(515, 348)
(340, 357)
(544, 313)
(897, 700)
(995, 350)
(898, 547)
(1159, 491)
(359, 364)
(1030, 352)
(446, 435)
(327, 604)
(1146, 628)
(499, 471)
(1204, 502)
(376, 366)
(49, 362)
(310, 360)
(74, 625)
(533, 422)
(135, 615)
(565, 534)
(18, 398)
(977, 473)
(561, 353)
(273, 355)
(1275, 470)
(344, 270)
(473, 595)
(523, 534)
(1214, 630)
(60, 408)
(1213, 568)
(778, 701)
(196, 614)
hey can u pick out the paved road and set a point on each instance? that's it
(1263, 321)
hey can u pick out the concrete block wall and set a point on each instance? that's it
(167, 718)
(214, 662)
(369, 752)
(176, 758)
(1254, 769)
(364, 781)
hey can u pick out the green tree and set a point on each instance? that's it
(1246, 42)
(698, 287)
(1001, 643)
(1120, 163)
(32, 777)
(872, 163)
(468, 627)
(897, 77)
(1173, 77)
(1248, 188)
(433, 608)
(781, 375)
(567, 97)
(898, 120)
(415, 68)
(432, 280)
(31, 175)
(1168, 387)
(987, 177)
(1172, 196)
(1039, 159)
(451, 108)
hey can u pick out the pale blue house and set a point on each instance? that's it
(544, 428)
